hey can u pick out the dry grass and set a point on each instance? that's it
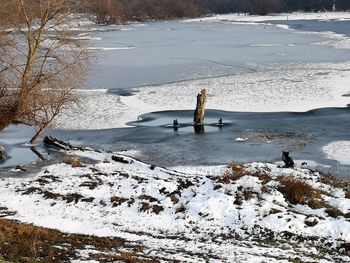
(316, 203)
(73, 162)
(180, 209)
(334, 212)
(235, 171)
(156, 209)
(90, 185)
(123, 257)
(296, 191)
(28, 243)
(174, 199)
(117, 201)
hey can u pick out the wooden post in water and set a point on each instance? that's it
(200, 108)
(2, 153)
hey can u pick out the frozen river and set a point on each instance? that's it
(164, 52)
(257, 76)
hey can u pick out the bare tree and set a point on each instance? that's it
(41, 64)
(106, 11)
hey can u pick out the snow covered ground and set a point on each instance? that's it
(213, 214)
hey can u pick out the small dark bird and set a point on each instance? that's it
(288, 161)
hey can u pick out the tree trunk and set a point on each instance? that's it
(200, 108)
(42, 157)
(40, 132)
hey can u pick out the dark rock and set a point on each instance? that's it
(120, 159)
(20, 168)
(311, 223)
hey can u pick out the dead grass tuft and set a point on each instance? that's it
(317, 203)
(262, 176)
(90, 184)
(157, 209)
(236, 171)
(174, 199)
(117, 201)
(148, 198)
(73, 162)
(296, 191)
(180, 209)
(334, 212)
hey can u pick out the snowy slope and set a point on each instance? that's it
(217, 213)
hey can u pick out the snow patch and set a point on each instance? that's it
(338, 150)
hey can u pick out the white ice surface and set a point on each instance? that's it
(338, 150)
(293, 87)
(323, 16)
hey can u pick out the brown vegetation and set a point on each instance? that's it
(236, 171)
(122, 11)
(73, 162)
(28, 243)
(117, 201)
(156, 209)
(296, 191)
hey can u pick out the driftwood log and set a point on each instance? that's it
(200, 108)
(59, 144)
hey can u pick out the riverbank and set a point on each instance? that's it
(203, 212)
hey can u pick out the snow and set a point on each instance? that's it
(322, 16)
(332, 39)
(200, 209)
(110, 48)
(338, 150)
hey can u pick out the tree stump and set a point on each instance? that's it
(200, 108)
